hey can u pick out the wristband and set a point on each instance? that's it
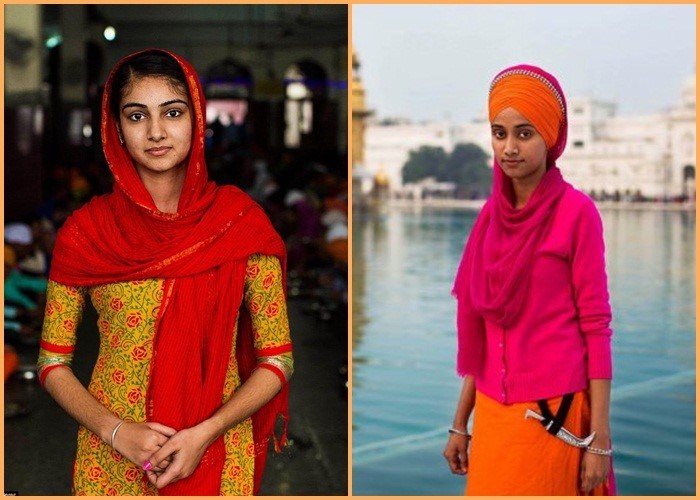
(452, 430)
(598, 451)
(114, 433)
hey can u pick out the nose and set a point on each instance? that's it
(156, 131)
(511, 147)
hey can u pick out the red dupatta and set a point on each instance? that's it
(201, 251)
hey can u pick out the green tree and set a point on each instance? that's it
(468, 168)
(427, 161)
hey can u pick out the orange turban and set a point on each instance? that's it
(533, 97)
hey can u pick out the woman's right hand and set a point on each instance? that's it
(138, 441)
(135, 441)
(456, 453)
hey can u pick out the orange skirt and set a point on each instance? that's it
(510, 455)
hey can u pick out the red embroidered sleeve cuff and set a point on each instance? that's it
(61, 349)
(52, 356)
(274, 351)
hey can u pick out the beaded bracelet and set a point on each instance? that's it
(598, 451)
(452, 430)
(114, 433)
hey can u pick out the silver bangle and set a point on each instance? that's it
(598, 451)
(452, 430)
(114, 433)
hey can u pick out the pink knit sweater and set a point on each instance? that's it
(562, 337)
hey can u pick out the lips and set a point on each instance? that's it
(510, 163)
(159, 151)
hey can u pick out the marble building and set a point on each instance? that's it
(609, 156)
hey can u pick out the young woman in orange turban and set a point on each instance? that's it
(533, 313)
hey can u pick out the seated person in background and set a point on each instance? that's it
(24, 294)
(37, 261)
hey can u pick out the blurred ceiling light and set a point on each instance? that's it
(54, 41)
(297, 90)
(110, 33)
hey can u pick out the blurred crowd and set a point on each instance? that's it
(306, 201)
(28, 247)
(308, 205)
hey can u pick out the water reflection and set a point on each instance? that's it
(651, 267)
(404, 385)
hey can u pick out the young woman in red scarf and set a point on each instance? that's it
(188, 280)
(533, 313)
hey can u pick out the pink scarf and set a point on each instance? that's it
(495, 270)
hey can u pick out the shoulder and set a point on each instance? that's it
(87, 220)
(576, 198)
(251, 223)
(578, 216)
(93, 209)
(234, 194)
(235, 201)
(578, 204)
(231, 202)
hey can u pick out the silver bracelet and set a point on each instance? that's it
(114, 432)
(598, 451)
(452, 430)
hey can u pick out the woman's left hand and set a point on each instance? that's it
(185, 449)
(594, 471)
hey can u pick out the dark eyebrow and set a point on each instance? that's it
(166, 103)
(133, 105)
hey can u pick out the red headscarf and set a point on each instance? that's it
(201, 251)
(494, 273)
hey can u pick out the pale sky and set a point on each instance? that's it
(432, 62)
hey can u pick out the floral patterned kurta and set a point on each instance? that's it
(127, 316)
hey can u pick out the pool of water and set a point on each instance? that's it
(405, 387)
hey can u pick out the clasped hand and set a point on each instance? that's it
(174, 455)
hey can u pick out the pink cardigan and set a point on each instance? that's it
(562, 337)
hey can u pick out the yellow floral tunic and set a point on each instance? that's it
(126, 321)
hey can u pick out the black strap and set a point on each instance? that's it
(558, 420)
